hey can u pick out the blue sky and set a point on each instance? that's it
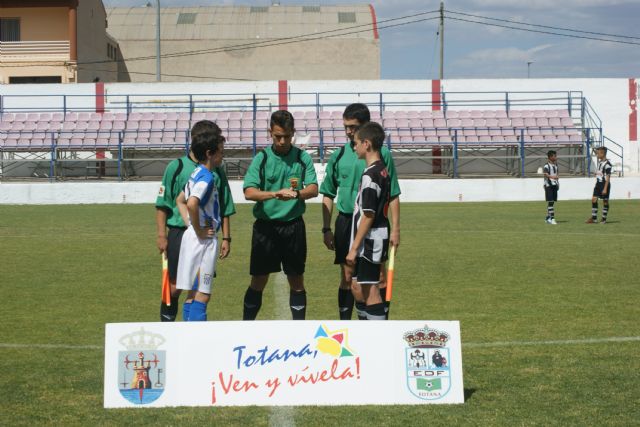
(480, 51)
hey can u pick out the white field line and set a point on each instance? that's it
(281, 416)
(468, 344)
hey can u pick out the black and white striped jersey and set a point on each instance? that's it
(604, 169)
(550, 169)
(373, 196)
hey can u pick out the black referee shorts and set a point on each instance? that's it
(551, 193)
(174, 239)
(367, 272)
(597, 191)
(276, 244)
(342, 237)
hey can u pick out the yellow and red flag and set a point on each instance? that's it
(166, 286)
(392, 257)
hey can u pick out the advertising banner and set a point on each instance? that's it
(273, 363)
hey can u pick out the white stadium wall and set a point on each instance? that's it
(413, 190)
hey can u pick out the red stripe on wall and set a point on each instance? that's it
(436, 100)
(374, 22)
(99, 97)
(633, 115)
(283, 95)
(100, 109)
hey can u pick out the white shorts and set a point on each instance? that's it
(197, 262)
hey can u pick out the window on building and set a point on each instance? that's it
(35, 79)
(346, 17)
(186, 18)
(311, 9)
(259, 9)
(10, 29)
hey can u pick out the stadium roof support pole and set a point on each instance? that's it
(158, 73)
(441, 40)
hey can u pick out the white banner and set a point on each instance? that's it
(282, 363)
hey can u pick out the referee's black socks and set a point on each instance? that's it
(168, 313)
(298, 304)
(383, 295)
(252, 304)
(361, 309)
(376, 312)
(345, 303)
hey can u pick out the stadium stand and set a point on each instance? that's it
(508, 141)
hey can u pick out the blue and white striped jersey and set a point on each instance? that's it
(202, 185)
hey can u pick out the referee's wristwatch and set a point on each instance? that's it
(297, 194)
(228, 239)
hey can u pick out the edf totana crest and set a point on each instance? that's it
(427, 363)
(141, 367)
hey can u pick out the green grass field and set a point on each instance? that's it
(549, 314)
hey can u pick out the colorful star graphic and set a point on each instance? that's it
(333, 343)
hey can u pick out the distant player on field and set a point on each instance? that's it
(170, 225)
(199, 248)
(602, 190)
(342, 177)
(551, 185)
(370, 225)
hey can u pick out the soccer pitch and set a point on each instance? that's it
(549, 314)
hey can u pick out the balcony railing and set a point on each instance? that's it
(50, 50)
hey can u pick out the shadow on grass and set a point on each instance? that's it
(468, 392)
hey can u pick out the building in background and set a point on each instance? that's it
(217, 43)
(55, 41)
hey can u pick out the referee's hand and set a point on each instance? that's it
(328, 240)
(394, 239)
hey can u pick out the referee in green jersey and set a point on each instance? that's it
(280, 178)
(342, 177)
(175, 177)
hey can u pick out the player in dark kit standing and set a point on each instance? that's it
(279, 179)
(602, 190)
(551, 185)
(370, 226)
(342, 177)
(176, 175)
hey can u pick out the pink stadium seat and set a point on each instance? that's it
(501, 114)
(7, 117)
(467, 132)
(477, 114)
(133, 125)
(442, 140)
(439, 114)
(197, 116)
(183, 124)
(375, 116)
(442, 132)
(471, 139)
(527, 113)
(93, 125)
(497, 138)
(542, 121)
(235, 115)
(33, 117)
(68, 126)
(108, 117)
(509, 131)
(515, 113)
(389, 123)
(5, 126)
(563, 113)
(555, 121)
(298, 115)
(30, 126)
(454, 123)
(413, 114)
(172, 116)
(440, 123)
(479, 122)
(575, 138)
(467, 122)
(159, 115)
(452, 114)
(484, 139)
(567, 121)
(426, 114)
(530, 122)
(482, 131)
(44, 117)
(402, 122)
(42, 126)
(20, 117)
(119, 125)
(121, 117)
(532, 131)
(491, 122)
(488, 114)
(551, 113)
(144, 125)
(550, 138)
(234, 124)
(495, 132)
(325, 114)
(539, 113)
(401, 114)
(517, 122)
(546, 131)
(84, 117)
(336, 115)
(307, 114)
(427, 122)
(415, 123)
(464, 114)
(504, 122)
(146, 116)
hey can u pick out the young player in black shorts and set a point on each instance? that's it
(602, 190)
(551, 185)
(370, 227)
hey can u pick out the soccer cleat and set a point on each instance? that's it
(590, 221)
(548, 220)
(604, 221)
(553, 221)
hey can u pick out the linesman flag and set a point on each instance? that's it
(390, 267)
(166, 287)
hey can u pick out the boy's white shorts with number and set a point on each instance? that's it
(197, 260)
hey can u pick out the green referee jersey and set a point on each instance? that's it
(343, 179)
(176, 176)
(277, 174)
